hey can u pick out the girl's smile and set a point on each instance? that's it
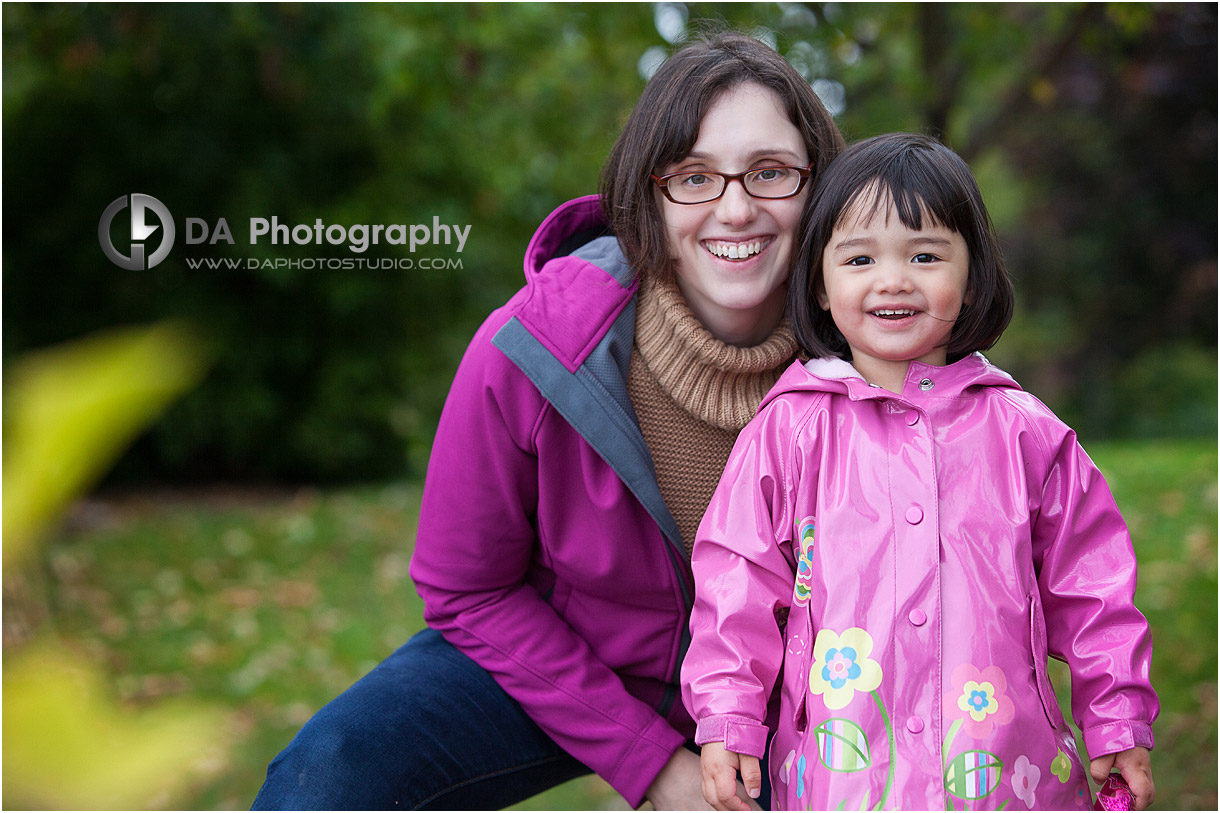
(893, 292)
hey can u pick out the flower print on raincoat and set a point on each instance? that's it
(842, 666)
(978, 699)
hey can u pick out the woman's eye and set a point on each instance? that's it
(695, 180)
(771, 174)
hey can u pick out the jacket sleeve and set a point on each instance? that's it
(743, 584)
(1086, 575)
(476, 540)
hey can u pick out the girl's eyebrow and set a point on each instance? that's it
(853, 242)
(923, 240)
(933, 239)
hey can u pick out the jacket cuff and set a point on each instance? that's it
(741, 735)
(1112, 738)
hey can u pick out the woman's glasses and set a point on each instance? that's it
(704, 186)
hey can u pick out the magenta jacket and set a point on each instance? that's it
(545, 551)
(903, 565)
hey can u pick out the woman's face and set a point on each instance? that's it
(733, 255)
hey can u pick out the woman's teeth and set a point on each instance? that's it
(736, 251)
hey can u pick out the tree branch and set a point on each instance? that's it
(1018, 97)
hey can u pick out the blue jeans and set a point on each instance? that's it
(426, 729)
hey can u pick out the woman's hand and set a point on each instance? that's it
(678, 785)
(1136, 767)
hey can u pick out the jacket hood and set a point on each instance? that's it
(577, 281)
(834, 375)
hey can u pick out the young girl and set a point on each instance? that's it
(902, 536)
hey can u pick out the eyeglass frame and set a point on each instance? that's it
(663, 182)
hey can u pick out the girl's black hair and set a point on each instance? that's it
(923, 178)
(664, 127)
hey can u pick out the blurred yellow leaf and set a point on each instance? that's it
(67, 745)
(70, 410)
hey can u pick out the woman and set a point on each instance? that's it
(586, 428)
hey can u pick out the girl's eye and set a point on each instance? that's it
(926, 258)
(859, 261)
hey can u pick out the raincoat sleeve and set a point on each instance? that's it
(743, 584)
(473, 550)
(1086, 575)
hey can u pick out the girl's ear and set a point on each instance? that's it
(819, 290)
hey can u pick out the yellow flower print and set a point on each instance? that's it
(842, 666)
(978, 700)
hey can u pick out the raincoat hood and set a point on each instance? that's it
(836, 376)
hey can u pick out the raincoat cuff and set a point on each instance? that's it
(741, 735)
(1112, 738)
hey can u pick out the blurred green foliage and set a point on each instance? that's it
(67, 743)
(70, 410)
(1092, 128)
(272, 602)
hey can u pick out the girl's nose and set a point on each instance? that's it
(735, 207)
(892, 278)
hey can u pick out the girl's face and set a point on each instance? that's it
(733, 254)
(892, 291)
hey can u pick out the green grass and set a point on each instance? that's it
(268, 605)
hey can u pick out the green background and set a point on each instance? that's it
(246, 557)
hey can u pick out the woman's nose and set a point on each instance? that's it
(735, 207)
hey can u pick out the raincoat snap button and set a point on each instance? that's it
(914, 515)
(918, 617)
(914, 725)
(912, 417)
(926, 384)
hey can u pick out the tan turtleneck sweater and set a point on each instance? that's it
(692, 394)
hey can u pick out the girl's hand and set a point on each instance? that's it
(1136, 767)
(720, 785)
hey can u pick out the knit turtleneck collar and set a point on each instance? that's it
(718, 383)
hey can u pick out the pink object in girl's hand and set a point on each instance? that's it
(1114, 794)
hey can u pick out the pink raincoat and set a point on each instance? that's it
(903, 564)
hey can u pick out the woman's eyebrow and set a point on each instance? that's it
(703, 156)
